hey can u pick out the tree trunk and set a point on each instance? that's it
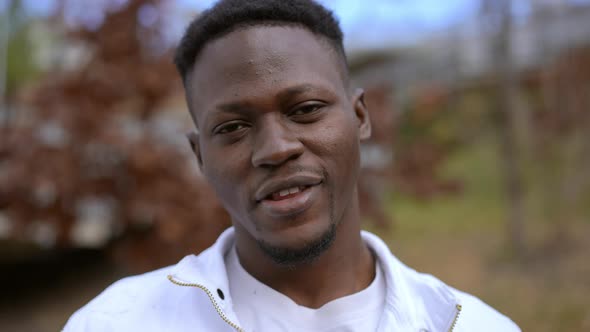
(4, 38)
(507, 121)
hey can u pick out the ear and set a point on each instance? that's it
(362, 114)
(193, 139)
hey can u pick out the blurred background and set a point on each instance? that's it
(478, 170)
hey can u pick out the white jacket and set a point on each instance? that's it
(194, 295)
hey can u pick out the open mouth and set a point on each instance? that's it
(286, 193)
(288, 196)
(290, 199)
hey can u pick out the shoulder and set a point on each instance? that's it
(153, 302)
(475, 314)
(129, 291)
(428, 294)
(119, 299)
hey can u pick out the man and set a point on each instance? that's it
(278, 138)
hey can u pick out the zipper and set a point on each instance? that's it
(239, 329)
(459, 307)
(211, 297)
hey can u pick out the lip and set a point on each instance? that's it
(298, 180)
(292, 206)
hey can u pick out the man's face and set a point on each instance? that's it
(278, 134)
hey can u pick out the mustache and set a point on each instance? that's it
(294, 169)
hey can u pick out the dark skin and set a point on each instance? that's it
(274, 112)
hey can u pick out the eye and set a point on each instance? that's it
(306, 109)
(228, 128)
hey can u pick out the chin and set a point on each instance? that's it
(303, 250)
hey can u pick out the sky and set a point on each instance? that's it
(366, 23)
(371, 23)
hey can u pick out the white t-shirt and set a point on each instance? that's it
(260, 308)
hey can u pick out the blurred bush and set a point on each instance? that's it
(101, 156)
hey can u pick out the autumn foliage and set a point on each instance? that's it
(97, 160)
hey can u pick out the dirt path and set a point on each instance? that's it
(40, 296)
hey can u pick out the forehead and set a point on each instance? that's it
(261, 60)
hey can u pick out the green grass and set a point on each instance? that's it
(479, 205)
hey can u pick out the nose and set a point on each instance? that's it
(275, 144)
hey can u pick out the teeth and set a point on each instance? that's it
(289, 191)
(285, 192)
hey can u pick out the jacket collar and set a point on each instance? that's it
(414, 301)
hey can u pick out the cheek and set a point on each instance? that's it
(224, 171)
(338, 145)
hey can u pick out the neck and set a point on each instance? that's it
(345, 268)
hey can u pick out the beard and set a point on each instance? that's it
(291, 257)
(309, 252)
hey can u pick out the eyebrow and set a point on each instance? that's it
(291, 92)
(283, 96)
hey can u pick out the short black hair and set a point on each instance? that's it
(229, 15)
